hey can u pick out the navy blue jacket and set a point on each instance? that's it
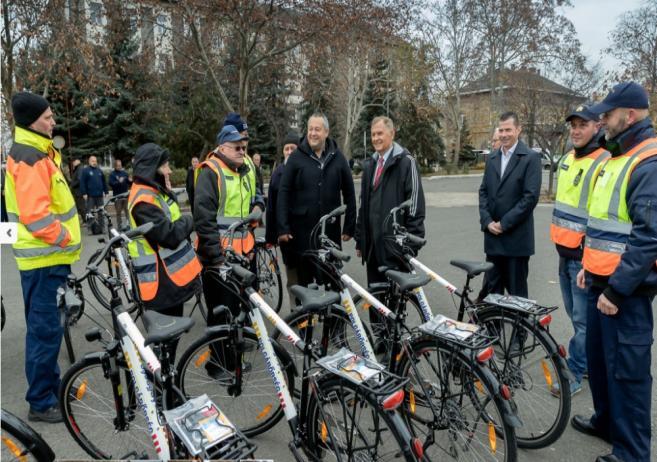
(636, 274)
(119, 187)
(511, 200)
(92, 182)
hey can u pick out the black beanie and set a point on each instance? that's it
(291, 138)
(27, 108)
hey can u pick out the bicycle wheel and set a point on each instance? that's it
(20, 442)
(465, 420)
(102, 293)
(270, 285)
(87, 403)
(203, 369)
(527, 361)
(344, 425)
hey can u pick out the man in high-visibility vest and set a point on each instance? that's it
(620, 256)
(40, 202)
(577, 173)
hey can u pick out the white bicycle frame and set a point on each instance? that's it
(132, 345)
(123, 267)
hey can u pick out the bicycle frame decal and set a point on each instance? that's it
(146, 398)
(365, 345)
(123, 269)
(131, 330)
(433, 275)
(274, 318)
(273, 366)
(380, 307)
(424, 303)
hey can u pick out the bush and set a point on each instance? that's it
(178, 177)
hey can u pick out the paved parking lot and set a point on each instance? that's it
(453, 232)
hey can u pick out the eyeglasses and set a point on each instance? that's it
(236, 148)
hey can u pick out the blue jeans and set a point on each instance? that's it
(574, 300)
(44, 334)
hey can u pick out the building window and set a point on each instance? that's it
(96, 13)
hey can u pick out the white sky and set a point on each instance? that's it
(593, 20)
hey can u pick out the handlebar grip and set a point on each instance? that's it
(417, 240)
(340, 255)
(406, 204)
(140, 230)
(244, 275)
(256, 215)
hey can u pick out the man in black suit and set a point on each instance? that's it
(507, 197)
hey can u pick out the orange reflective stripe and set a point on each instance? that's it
(186, 274)
(240, 245)
(600, 262)
(148, 290)
(565, 237)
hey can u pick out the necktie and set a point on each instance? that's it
(379, 171)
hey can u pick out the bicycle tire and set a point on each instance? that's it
(329, 423)
(537, 430)
(92, 425)
(471, 413)
(269, 277)
(100, 292)
(340, 324)
(257, 408)
(20, 440)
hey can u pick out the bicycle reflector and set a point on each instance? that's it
(545, 320)
(485, 354)
(562, 351)
(418, 449)
(492, 438)
(393, 401)
(411, 401)
(505, 392)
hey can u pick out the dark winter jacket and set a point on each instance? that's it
(189, 187)
(118, 186)
(399, 182)
(511, 200)
(76, 178)
(271, 232)
(310, 189)
(92, 182)
(164, 233)
(636, 274)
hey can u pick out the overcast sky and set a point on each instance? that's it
(593, 20)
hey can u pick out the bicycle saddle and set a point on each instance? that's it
(473, 268)
(408, 281)
(314, 300)
(161, 328)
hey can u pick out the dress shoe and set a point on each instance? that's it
(51, 415)
(608, 458)
(583, 424)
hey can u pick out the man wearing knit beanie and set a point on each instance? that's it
(40, 202)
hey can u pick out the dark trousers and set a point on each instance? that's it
(509, 273)
(44, 334)
(618, 358)
(93, 202)
(81, 206)
(373, 276)
(121, 206)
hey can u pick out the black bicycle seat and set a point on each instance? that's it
(473, 268)
(408, 281)
(161, 328)
(314, 300)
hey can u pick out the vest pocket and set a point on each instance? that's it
(633, 354)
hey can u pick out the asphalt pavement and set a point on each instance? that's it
(452, 227)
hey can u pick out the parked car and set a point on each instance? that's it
(546, 160)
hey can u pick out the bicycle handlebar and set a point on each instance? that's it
(339, 255)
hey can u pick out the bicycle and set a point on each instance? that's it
(269, 283)
(455, 402)
(126, 387)
(527, 358)
(337, 416)
(21, 442)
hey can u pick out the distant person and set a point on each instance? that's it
(40, 202)
(290, 144)
(119, 181)
(508, 195)
(93, 187)
(76, 176)
(189, 182)
(316, 180)
(260, 182)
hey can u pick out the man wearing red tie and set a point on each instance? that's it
(390, 177)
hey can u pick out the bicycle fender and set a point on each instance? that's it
(510, 417)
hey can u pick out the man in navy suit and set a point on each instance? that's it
(507, 197)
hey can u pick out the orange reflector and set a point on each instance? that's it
(302, 325)
(82, 390)
(492, 437)
(366, 306)
(479, 386)
(485, 354)
(545, 320)
(393, 401)
(562, 351)
(546, 373)
(15, 449)
(324, 433)
(411, 401)
(418, 449)
(267, 409)
(505, 392)
(398, 357)
(202, 358)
